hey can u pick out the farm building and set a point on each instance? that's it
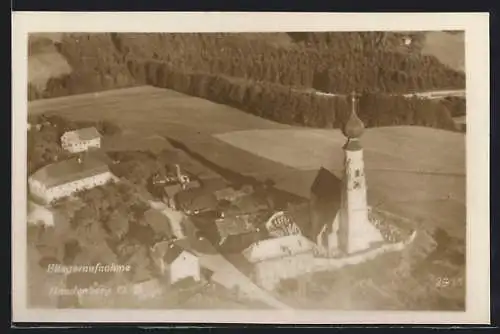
(279, 258)
(81, 140)
(66, 177)
(325, 203)
(176, 262)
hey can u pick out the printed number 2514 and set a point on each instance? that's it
(445, 282)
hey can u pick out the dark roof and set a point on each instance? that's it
(196, 199)
(70, 170)
(172, 189)
(84, 134)
(325, 201)
(326, 184)
(173, 251)
(235, 225)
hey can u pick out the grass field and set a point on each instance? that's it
(45, 62)
(413, 171)
(448, 48)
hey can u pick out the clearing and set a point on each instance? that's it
(45, 61)
(413, 171)
(448, 48)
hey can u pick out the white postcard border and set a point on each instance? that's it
(476, 26)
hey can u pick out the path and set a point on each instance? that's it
(174, 217)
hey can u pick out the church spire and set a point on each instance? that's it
(354, 127)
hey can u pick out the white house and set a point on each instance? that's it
(81, 140)
(40, 215)
(280, 258)
(176, 262)
(66, 177)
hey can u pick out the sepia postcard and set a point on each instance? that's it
(293, 168)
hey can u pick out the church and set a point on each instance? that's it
(339, 212)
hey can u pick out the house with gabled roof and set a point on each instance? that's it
(281, 258)
(175, 261)
(81, 140)
(63, 178)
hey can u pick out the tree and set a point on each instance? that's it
(118, 224)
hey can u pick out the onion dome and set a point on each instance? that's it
(354, 127)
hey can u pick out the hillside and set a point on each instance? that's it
(44, 60)
(256, 72)
(411, 170)
(447, 48)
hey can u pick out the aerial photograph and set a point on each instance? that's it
(266, 170)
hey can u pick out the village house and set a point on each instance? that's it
(165, 186)
(279, 258)
(40, 215)
(175, 262)
(81, 140)
(63, 178)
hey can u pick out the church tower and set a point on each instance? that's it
(355, 232)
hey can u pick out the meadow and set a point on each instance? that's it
(414, 171)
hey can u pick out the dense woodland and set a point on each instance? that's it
(272, 80)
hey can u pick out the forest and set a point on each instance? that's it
(273, 81)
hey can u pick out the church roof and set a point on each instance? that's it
(354, 127)
(326, 184)
(326, 194)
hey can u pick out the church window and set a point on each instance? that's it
(356, 185)
(357, 173)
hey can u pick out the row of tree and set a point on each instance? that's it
(347, 61)
(331, 62)
(96, 65)
(294, 106)
(263, 79)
